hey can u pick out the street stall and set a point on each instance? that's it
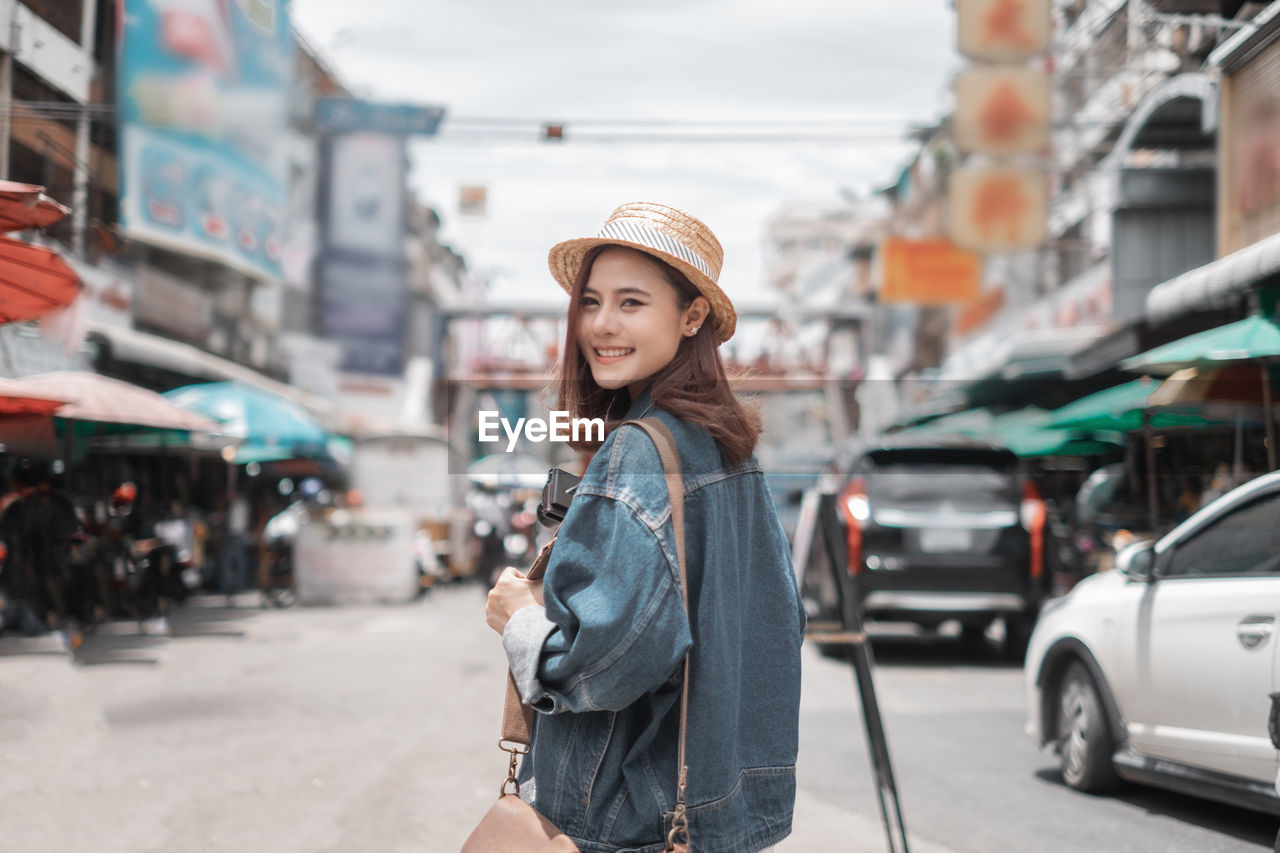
(280, 444)
(92, 542)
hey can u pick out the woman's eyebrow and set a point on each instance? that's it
(624, 291)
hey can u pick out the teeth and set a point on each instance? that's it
(612, 353)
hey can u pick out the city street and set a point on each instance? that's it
(372, 729)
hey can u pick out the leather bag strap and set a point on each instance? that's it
(670, 457)
(517, 717)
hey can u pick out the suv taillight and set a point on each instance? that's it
(1033, 519)
(855, 510)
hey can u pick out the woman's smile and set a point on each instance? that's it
(610, 355)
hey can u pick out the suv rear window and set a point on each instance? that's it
(917, 479)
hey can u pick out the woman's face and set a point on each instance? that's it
(629, 322)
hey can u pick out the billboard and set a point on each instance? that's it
(203, 94)
(363, 281)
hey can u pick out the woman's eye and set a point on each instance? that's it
(631, 303)
(588, 302)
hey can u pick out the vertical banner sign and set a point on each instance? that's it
(1002, 30)
(203, 94)
(1002, 110)
(998, 208)
(364, 273)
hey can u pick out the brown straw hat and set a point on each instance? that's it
(671, 236)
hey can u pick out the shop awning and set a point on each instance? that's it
(1215, 281)
(142, 348)
(1251, 338)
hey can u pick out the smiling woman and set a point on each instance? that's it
(668, 605)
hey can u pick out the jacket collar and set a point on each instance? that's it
(642, 407)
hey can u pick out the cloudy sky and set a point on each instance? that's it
(838, 80)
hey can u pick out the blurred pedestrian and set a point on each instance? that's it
(597, 647)
(38, 524)
(232, 556)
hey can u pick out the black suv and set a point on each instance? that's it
(935, 533)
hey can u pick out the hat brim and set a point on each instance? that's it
(565, 259)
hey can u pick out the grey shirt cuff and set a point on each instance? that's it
(526, 632)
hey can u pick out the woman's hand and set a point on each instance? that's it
(512, 592)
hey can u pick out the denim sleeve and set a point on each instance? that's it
(618, 623)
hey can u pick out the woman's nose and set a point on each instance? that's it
(605, 320)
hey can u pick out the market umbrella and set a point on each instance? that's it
(24, 206)
(33, 281)
(25, 425)
(17, 400)
(100, 399)
(1025, 432)
(273, 427)
(1253, 339)
(968, 423)
(1232, 390)
(1227, 389)
(1122, 408)
(1127, 408)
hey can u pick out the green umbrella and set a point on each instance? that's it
(1026, 433)
(1256, 337)
(971, 423)
(1122, 408)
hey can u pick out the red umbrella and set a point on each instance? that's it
(24, 206)
(33, 281)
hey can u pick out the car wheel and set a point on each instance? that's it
(1084, 735)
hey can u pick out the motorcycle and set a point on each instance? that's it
(503, 530)
(276, 570)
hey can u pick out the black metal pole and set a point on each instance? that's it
(859, 653)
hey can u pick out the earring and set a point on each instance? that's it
(694, 331)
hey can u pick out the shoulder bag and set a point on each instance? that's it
(513, 826)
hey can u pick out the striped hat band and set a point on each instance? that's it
(668, 234)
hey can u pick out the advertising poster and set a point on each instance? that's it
(203, 92)
(362, 299)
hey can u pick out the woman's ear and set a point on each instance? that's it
(695, 315)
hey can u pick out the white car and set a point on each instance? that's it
(1165, 671)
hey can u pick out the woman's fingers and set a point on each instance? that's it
(511, 592)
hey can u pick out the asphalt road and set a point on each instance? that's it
(374, 729)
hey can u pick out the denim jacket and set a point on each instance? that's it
(600, 661)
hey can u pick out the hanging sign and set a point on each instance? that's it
(1002, 30)
(997, 208)
(928, 272)
(1002, 109)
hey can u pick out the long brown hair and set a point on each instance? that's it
(693, 386)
